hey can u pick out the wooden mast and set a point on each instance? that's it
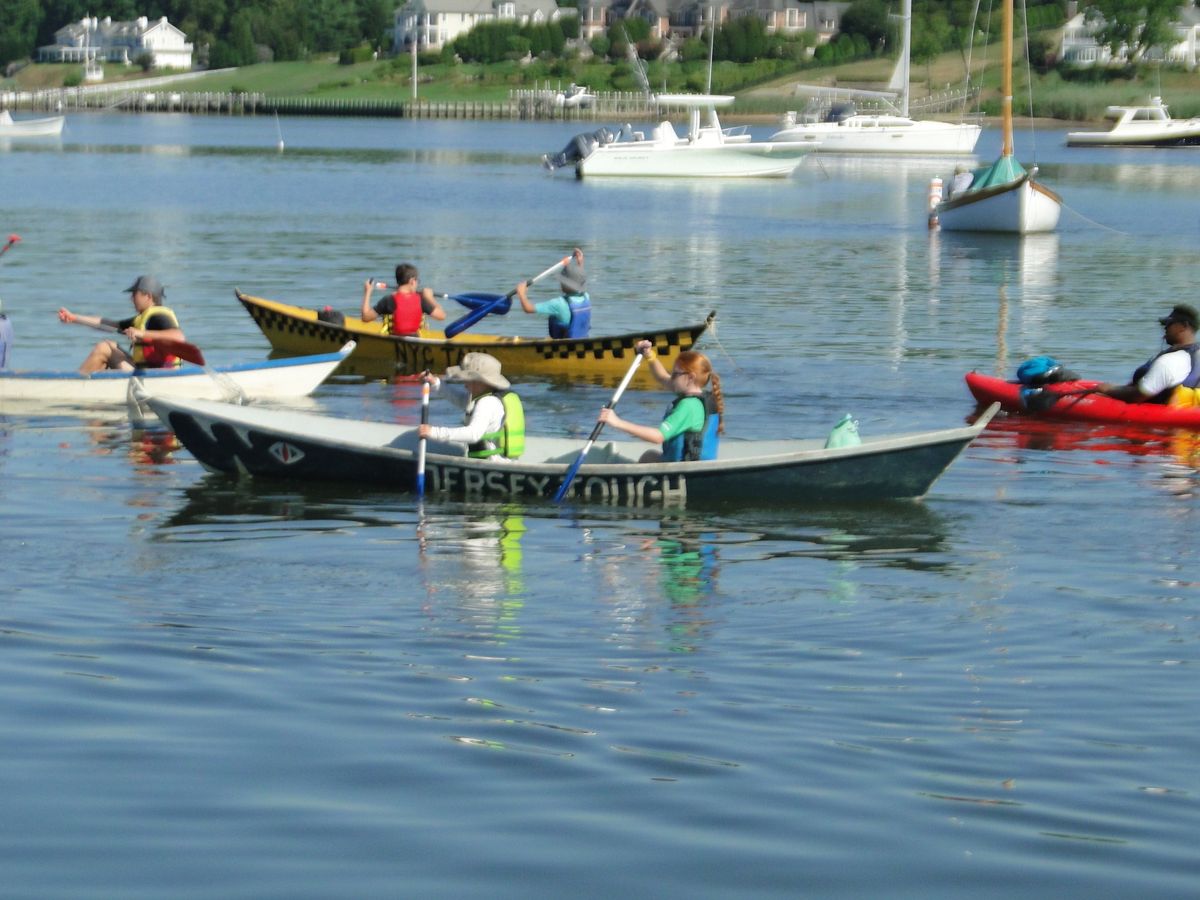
(1006, 88)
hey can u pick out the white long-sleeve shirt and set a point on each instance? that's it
(484, 415)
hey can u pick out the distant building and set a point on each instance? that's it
(435, 23)
(1080, 47)
(91, 39)
(690, 18)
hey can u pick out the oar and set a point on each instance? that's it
(422, 442)
(185, 351)
(12, 239)
(475, 315)
(562, 490)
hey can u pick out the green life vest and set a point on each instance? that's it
(509, 441)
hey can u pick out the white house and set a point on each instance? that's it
(435, 23)
(92, 39)
(1080, 47)
(689, 18)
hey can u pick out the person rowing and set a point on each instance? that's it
(690, 429)
(1156, 379)
(570, 314)
(494, 419)
(404, 309)
(151, 323)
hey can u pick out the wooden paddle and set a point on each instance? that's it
(562, 490)
(475, 315)
(184, 350)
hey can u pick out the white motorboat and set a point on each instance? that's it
(706, 151)
(1002, 197)
(847, 131)
(49, 126)
(1140, 126)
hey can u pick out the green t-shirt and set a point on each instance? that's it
(686, 416)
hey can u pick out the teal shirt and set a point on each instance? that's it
(684, 418)
(557, 309)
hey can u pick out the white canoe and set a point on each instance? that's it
(285, 443)
(297, 376)
(49, 126)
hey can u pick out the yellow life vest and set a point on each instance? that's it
(147, 355)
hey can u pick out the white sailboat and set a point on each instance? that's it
(1004, 196)
(886, 132)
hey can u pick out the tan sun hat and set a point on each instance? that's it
(479, 367)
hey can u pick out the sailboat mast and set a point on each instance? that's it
(1006, 86)
(905, 53)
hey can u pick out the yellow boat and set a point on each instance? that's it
(296, 331)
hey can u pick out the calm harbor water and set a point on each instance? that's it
(213, 687)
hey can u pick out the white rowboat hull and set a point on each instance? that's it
(279, 378)
(1020, 207)
(47, 127)
(285, 443)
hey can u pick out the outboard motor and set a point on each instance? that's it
(578, 148)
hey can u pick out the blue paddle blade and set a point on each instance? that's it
(498, 304)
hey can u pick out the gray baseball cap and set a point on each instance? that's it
(572, 279)
(150, 285)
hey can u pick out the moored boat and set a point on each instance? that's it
(601, 359)
(845, 130)
(1003, 197)
(279, 378)
(48, 126)
(1073, 400)
(296, 445)
(1140, 126)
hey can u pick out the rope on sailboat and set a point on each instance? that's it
(712, 333)
(1093, 221)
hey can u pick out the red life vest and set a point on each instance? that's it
(407, 313)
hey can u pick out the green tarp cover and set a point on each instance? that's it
(1002, 171)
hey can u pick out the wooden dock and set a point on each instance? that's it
(520, 104)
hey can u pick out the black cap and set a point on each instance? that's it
(1182, 313)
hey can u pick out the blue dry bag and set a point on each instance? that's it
(1039, 370)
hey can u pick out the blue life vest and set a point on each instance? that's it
(581, 319)
(694, 445)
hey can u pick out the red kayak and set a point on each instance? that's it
(1071, 400)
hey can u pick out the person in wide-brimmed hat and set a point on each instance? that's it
(569, 315)
(152, 322)
(1156, 379)
(494, 421)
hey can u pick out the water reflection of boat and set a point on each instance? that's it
(1021, 432)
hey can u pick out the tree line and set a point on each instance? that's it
(241, 32)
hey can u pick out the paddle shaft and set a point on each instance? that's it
(184, 350)
(421, 444)
(475, 315)
(562, 490)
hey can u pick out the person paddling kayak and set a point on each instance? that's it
(153, 322)
(1156, 379)
(689, 430)
(569, 315)
(404, 309)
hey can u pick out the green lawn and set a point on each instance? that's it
(390, 79)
